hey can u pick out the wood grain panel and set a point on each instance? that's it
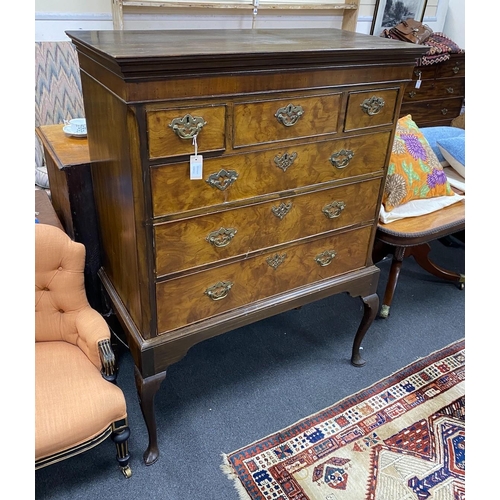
(357, 119)
(183, 301)
(258, 174)
(256, 122)
(183, 244)
(164, 142)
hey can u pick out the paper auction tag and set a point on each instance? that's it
(196, 167)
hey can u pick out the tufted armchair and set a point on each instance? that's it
(77, 402)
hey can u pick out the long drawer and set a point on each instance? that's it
(198, 296)
(434, 89)
(428, 111)
(197, 241)
(240, 177)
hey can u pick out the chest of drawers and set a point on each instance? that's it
(295, 129)
(438, 97)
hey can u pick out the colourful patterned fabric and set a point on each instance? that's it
(414, 170)
(58, 93)
(403, 437)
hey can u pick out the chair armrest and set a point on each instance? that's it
(94, 338)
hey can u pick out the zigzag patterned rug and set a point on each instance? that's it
(403, 438)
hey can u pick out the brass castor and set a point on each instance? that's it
(384, 311)
(127, 471)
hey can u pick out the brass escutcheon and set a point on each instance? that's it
(373, 105)
(325, 258)
(188, 126)
(219, 290)
(289, 115)
(282, 210)
(222, 179)
(285, 161)
(276, 260)
(334, 209)
(341, 158)
(222, 237)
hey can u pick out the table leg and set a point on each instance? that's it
(146, 390)
(370, 303)
(397, 261)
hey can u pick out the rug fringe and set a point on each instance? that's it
(230, 474)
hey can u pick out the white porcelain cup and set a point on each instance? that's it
(76, 125)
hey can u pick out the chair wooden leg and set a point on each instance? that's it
(120, 435)
(397, 261)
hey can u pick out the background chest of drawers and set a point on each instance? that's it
(295, 129)
(440, 93)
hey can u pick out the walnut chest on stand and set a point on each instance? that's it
(294, 128)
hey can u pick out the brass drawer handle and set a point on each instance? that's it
(418, 74)
(222, 179)
(282, 210)
(276, 260)
(373, 105)
(285, 161)
(220, 290)
(412, 94)
(289, 115)
(444, 111)
(222, 237)
(334, 209)
(325, 258)
(188, 126)
(341, 158)
(450, 90)
(456, 69)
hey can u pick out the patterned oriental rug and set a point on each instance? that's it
(403, 438)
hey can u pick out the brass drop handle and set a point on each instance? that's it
(188, 126)
(220, 290)
(285, 160)
(222, 179)
(276, 260)
(341, 158)
(289, 115)
(450, 90)
(444, 111)
(222, 237)
(412, 93)
(325, 258)
(456, 69)
(373, 105)
(334, 209)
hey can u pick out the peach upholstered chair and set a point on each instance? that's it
(77, 402)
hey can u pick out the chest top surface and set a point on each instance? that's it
(215, 50)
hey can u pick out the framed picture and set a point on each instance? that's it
(388, 13)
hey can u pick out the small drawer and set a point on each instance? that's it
(278, 120)
(170, 131)
(454, 67)
(370, 109)
(439, 109)
(239, 177)
(215, 237)
(434, 89)
(202, 295)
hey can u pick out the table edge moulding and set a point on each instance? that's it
(295, 128)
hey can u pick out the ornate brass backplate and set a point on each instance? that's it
(219, 290)
(289, 115)
(222, 179)
(276, 260)
(334, 209)
(222, 237)
(325, 258)
(282, 209)
(285, 160)
(341, 158)
(188, 126)
(373, 105)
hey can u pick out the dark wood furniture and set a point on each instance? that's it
(68, 168)
(44, 210)
(295, 127)
(441, 94)
(410, 238)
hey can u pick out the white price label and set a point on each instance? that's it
(196, 167)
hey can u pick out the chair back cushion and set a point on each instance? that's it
(59, 284)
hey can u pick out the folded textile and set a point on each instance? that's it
(440, 49)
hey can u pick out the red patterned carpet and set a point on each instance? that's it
(401, 439)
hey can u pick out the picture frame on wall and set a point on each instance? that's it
(388, 13)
